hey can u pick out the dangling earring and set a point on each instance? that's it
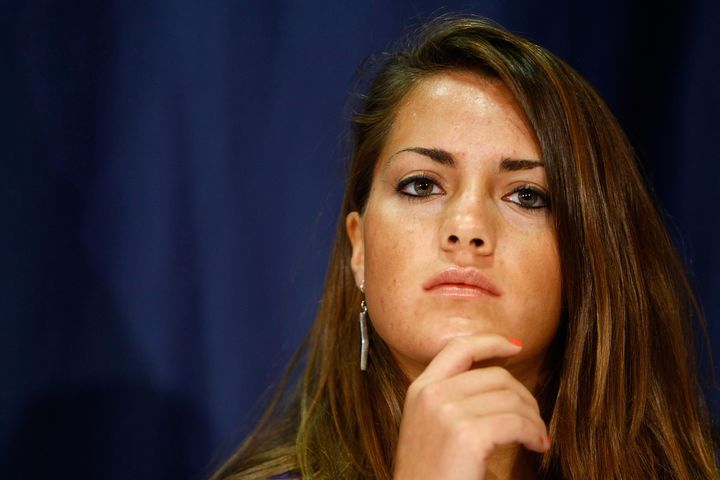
(364, 341)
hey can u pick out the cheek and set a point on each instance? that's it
(385, 254)
(538, 282)
(394, 247)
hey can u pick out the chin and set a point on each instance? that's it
(458, 327)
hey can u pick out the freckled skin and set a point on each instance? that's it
(400, 242)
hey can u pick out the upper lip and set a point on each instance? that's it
(463, 276)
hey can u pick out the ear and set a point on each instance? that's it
(354, 228)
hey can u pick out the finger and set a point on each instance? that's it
(483, 380)
(460, 353)
(508, 428)
(494, 403)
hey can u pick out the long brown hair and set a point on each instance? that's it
(623, 399)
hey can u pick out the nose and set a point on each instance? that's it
(474, 242)
(467, 230)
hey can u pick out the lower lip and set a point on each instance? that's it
(459, 290)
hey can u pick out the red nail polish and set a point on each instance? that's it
(515, 341)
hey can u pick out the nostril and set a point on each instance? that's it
(453, 239)
(478, 242)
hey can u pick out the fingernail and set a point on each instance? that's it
(515, 341)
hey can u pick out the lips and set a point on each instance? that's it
(462, 282)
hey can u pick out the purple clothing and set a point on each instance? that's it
(291, 475)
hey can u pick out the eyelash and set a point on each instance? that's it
(542, 196)
(414, 178)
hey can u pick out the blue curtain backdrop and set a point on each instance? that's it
(171, 174)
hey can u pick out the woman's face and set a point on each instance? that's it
(457, 238)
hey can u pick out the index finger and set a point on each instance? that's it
(459, 354)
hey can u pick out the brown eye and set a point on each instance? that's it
(422, 187)
(419, 186)
(528, 197)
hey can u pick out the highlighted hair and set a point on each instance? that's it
(622, 399)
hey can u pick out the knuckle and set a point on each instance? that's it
(480, 434)
(513, 400)
(448, 413)
(465, 431)
(413, 390)
(509, 421)
(535, 406)
(457, 343)
(500, 373)
(429, 396)
(516, 423)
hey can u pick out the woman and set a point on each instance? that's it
(525, 312)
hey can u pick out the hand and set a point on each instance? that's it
(454, 416)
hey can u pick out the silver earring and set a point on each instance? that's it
(364, 341)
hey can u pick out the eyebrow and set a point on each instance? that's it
(446, 158)
(513, 165)
(441, 156)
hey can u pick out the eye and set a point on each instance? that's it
(419, 186)
(528, 197)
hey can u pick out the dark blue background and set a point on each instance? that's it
(171, 174)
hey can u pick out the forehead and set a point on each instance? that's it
(464, 92)
(462, 112)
